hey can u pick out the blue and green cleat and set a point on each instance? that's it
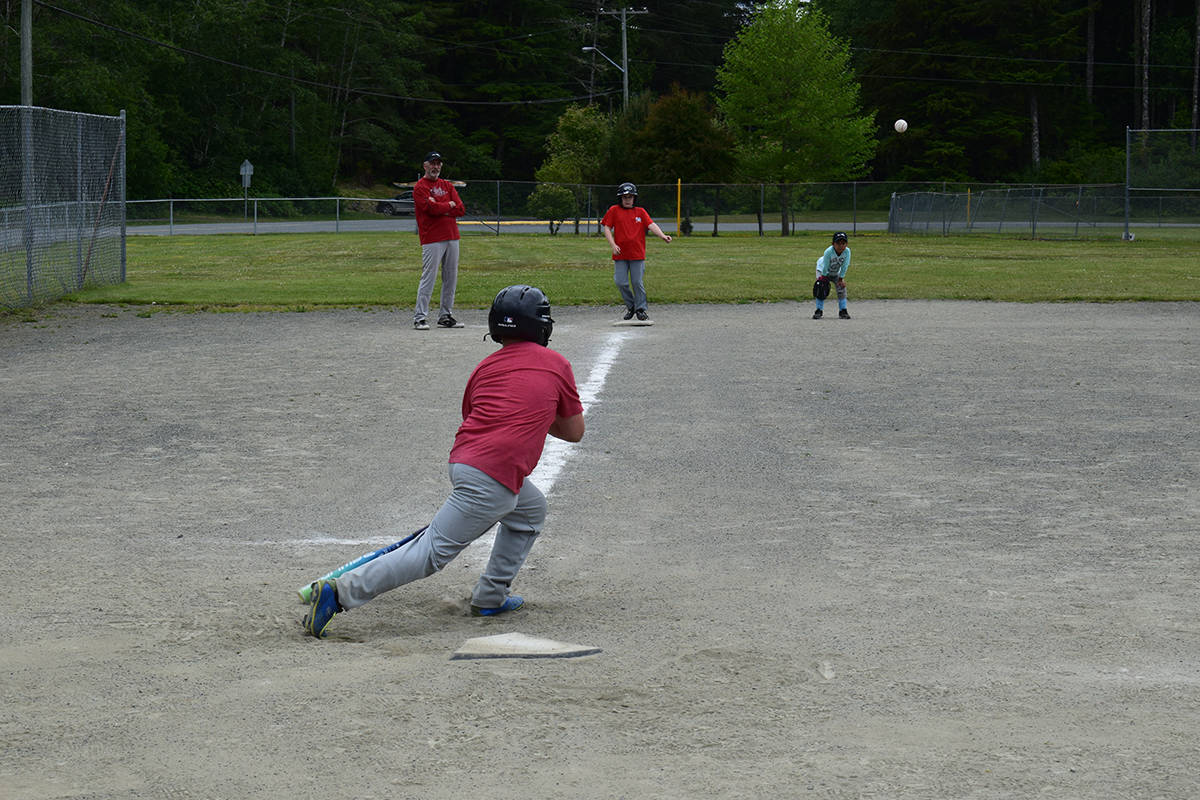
(511, 603)
(322, 608)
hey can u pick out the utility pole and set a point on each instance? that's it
(26, 52)
(625, 43)
(26, 113)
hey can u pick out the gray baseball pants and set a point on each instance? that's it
(433, 255)
(476, 503)
(630, 279)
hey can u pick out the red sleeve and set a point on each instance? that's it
(459, 209)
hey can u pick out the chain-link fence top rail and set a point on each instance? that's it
(62, 203)
(493, 207)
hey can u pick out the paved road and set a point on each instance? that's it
(471, 226)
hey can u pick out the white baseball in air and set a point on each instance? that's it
(901, 126)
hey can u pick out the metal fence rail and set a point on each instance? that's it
(495, 207)
(1079, 211)
(62, 203)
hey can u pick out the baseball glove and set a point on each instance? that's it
(821, 288)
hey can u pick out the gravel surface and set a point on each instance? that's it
(941, 550)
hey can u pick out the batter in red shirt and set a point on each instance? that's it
(514, 398)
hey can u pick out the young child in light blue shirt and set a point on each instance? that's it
(832, 266)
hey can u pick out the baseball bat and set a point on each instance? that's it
(411, 184)
(305, 592)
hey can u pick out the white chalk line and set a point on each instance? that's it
(555, 457)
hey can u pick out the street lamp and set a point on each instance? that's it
(624, 70)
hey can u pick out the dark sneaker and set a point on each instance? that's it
(844, 314)
(322, 609)
(420, 324)
(641, 314)
(818, 314)
(628, 313)
(511, 603)
(449, 322)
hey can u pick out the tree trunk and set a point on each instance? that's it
(342, 98)
(1196, 79)
(1145, 37)
(1091, 50)
(1034, 138)
(785, 198)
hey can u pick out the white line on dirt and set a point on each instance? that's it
(554, 457)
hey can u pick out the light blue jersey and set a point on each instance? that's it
(832, 265)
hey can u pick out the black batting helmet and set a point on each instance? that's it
(626, 188)
(521, 312)
(839, 237)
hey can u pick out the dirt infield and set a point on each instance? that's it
(941, 550)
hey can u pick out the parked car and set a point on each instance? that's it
(401, 204)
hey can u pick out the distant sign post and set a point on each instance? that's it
(247, 170)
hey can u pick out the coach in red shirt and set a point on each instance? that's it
(438, 207)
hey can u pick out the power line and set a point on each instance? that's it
(1017, 59)
(317, 84)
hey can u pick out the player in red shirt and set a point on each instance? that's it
(624, 226)
(513, 399)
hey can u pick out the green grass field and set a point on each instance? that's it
(312, 271)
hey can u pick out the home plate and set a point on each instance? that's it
(627, 323)
(518, 645)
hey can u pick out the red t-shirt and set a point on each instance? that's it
(511, 400)
(436, 220)
(629, 231)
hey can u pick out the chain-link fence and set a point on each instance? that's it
(1037, 211)
(495, 207)
(1162, 172)
(62, 203)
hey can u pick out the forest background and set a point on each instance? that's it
(323, 95)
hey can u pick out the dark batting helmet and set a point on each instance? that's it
(839, 237)
(521, 312)
(626, 188)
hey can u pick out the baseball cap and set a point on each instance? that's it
(432, 155)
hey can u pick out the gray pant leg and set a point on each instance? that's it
(476, 503)
(637, 276)
(449, 277)
(514, 538)
(431, 257)
(621, 279)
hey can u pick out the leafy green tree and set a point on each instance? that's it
(787, 91)
(553, 203)
(577, 150)
(681, 140)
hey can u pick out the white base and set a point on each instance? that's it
(518, 645)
